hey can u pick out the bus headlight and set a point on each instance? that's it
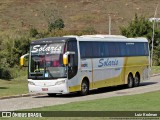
(31, 83)
(60, 82)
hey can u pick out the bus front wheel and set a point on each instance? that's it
(84, 88)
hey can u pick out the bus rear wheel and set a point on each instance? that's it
(84, 88)
(136, 80)
(130, 81)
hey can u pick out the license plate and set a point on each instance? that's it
(44, 89)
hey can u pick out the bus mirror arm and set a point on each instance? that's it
(22, 61)
(65, 57)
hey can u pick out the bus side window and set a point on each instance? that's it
(123, 51)
(106, 52)
(112, 47)
(86, 49)
(146, 49)
(102, 49)
(94, 49)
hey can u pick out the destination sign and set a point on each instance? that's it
(48, 48)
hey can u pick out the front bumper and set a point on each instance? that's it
(48, 86)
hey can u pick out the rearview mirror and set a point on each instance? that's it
(65, 57)
(23, 60)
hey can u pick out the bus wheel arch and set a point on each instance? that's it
(130, 80)
(84, 86)
(137, 79)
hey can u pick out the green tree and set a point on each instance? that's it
(57, 24)
(21, 47)
(33, 32)
(142, 27)
(11, 48)
(14, 49)
(139, 26)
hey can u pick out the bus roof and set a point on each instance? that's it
(50, 40)
(113, 38)
(103, 36)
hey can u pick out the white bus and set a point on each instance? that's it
(82, 63)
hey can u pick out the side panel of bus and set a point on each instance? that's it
(112, 70)
(137, 65)
(107, 71)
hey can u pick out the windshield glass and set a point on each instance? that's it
(46, 61)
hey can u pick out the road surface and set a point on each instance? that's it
(43, 100)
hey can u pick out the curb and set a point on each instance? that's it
(22, 95)
(36, 94)
(155, 75)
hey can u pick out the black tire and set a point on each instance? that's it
(136, 80)
(51, 94)
(130, 81)
(84, 88)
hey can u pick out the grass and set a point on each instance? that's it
(155, 70)
(13, 87)
(141, 102)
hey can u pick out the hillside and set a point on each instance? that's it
(20, 15)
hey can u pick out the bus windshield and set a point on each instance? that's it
(46, 61)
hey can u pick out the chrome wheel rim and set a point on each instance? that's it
(84, 87)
